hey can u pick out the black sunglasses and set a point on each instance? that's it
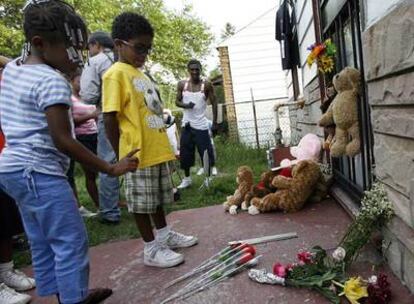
(139, 49)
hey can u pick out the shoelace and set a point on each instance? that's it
(176, 236)
(165, 251)
(162, 249)
(16, 276)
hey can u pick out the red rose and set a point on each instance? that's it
(305, 257)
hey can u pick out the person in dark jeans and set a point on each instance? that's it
(100, 45)
(192, 96)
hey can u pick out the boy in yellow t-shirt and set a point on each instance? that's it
(133, 118)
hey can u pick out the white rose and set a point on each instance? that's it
(373, 279)
(339, 254)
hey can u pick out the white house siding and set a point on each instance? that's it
(256, 67)
(306, 37)
(305, 121)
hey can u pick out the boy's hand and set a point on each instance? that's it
(128, 164)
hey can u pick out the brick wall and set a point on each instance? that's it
(228, 92)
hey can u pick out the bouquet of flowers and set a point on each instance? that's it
(376, 210)
(316, 270)
(323, 54)
(323, 272)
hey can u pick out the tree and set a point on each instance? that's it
(11, 38)
(179, 36)
(228, 31)
(218, 88)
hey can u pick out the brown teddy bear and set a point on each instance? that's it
(293, 192)
(343, 112)
(244, 180)
(264, 187)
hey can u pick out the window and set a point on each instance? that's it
(341, 22)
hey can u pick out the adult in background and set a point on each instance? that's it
(192, 96)
(101, 46)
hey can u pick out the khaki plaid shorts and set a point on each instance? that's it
(148, 188)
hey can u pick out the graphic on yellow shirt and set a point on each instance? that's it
(132, 95)
(146, 87)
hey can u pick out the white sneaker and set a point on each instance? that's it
(185, 183)
(17, 280)
(214, 171)
(200, 171)
(86, 213)
(163, 257)
(9, 296)
(179, 240)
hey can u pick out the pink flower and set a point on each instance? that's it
(305, 257)
(290, 266)
(279, 270)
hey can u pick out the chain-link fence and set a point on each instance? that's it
(256, 123)
(260, 123)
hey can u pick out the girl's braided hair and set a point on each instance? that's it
(56, 21)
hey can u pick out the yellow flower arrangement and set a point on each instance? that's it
(322, 54)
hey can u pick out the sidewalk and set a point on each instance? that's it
(119, 265)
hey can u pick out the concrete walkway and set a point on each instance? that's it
(119, 264)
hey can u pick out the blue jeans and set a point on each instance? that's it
(108, 185)
(55, 230)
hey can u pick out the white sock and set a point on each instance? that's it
(149, 246)
(162, 233)
(6, 266)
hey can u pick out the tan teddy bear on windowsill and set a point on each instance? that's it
(343, 112)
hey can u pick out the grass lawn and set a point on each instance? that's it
(230, 157)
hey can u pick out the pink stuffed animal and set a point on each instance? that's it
(309, 148)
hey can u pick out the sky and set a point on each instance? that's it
(216, 13)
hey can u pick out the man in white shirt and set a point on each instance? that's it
(192, 96)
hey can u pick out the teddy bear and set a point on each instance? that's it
(264, 187)
(244, 181)
(343, 112)
(293, 192)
